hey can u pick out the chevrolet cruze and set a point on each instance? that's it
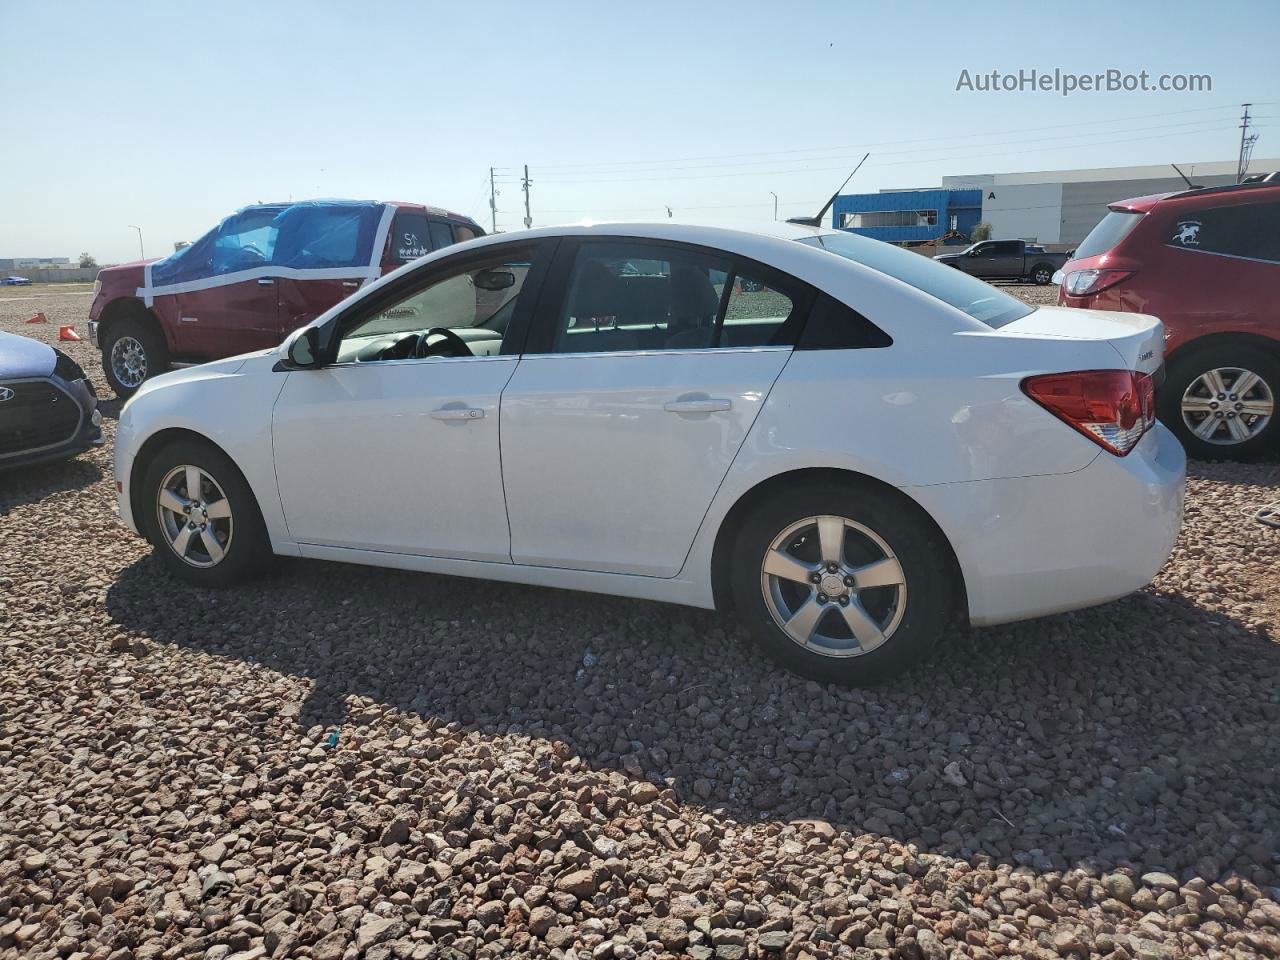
(849, 445)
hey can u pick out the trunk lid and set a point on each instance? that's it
(1136, 337)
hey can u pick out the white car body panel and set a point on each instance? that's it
(623, 514)
(363, 461)
(1040, 518)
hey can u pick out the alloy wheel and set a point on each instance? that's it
(129, 361)
(1043, 276)
(195, 516)
(834, 586)
(1227, 405)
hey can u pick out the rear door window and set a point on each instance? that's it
(441, 234)
(1250, 231)
(1111, 229)
(410, 236)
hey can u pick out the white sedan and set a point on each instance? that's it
(845, 442)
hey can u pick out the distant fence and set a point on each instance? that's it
(55, 274)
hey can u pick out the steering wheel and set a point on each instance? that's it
(457, 346)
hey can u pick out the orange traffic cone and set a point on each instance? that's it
(68, 332)
(39, 318)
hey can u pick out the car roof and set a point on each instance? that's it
(339, 201)
(1144, 204)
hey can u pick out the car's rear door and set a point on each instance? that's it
(326, 253)
(629, 405)
(1003, 258)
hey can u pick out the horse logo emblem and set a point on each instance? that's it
(1188, 233)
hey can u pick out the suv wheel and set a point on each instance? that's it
(132, 352)
(842, 584)
(199, 513)
(1221, 402)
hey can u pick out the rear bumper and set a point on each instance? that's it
(1033, 546)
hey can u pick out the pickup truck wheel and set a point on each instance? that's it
(132, 352)
(1220, 401)
(1042, 275)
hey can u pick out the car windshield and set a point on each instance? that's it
(978, 299)
(1111, 229)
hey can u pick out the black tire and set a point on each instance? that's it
(247, 546)
(914, 543)
(155, 354)
(1186, 369)
(1042, 274)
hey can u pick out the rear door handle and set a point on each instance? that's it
(265, 281)
(457, 413)
(351, 283)
(698, 405)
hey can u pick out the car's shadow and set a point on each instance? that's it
(1109, 736)
(20, 486)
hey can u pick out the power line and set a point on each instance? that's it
(931, 159)
(890, 143)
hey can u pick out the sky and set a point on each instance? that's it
(170, 115)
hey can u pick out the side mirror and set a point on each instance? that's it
(304, 352)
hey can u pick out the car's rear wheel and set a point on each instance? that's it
(199, 513)
(841, 583)
(1220, 401)
(131, 352)
(1042, 274)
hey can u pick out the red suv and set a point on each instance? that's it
(260, 274)
(1207, 263)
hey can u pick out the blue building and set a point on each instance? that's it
(908, 216)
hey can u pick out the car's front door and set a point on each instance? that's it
(644, 374)
(393, 446)
(225, 315)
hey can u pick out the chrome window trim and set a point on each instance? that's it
(684, 351)
(1229, 256)
(69, 437)
(345, 364)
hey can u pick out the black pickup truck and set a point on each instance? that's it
(1006, 260)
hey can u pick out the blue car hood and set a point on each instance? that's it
(24, 357)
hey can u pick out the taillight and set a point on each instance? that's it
(1085, 283)
(1113, 408)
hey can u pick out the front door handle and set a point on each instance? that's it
(698, 405)
(265, 281)
(457, 413)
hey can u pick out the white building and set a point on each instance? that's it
(1061, 206)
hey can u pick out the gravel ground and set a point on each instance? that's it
(344, 762)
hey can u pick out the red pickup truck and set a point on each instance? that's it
(260, 274)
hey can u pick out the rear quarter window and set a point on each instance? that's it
(1111, 229)
(979, 300)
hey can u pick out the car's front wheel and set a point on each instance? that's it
(199, 513)
(1220, 401)
(131, 352)
(842, 583)
(1042, 274)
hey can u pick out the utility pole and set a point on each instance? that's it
(1247, 141)
(528, 217)
(775, 205)
(493, 204)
